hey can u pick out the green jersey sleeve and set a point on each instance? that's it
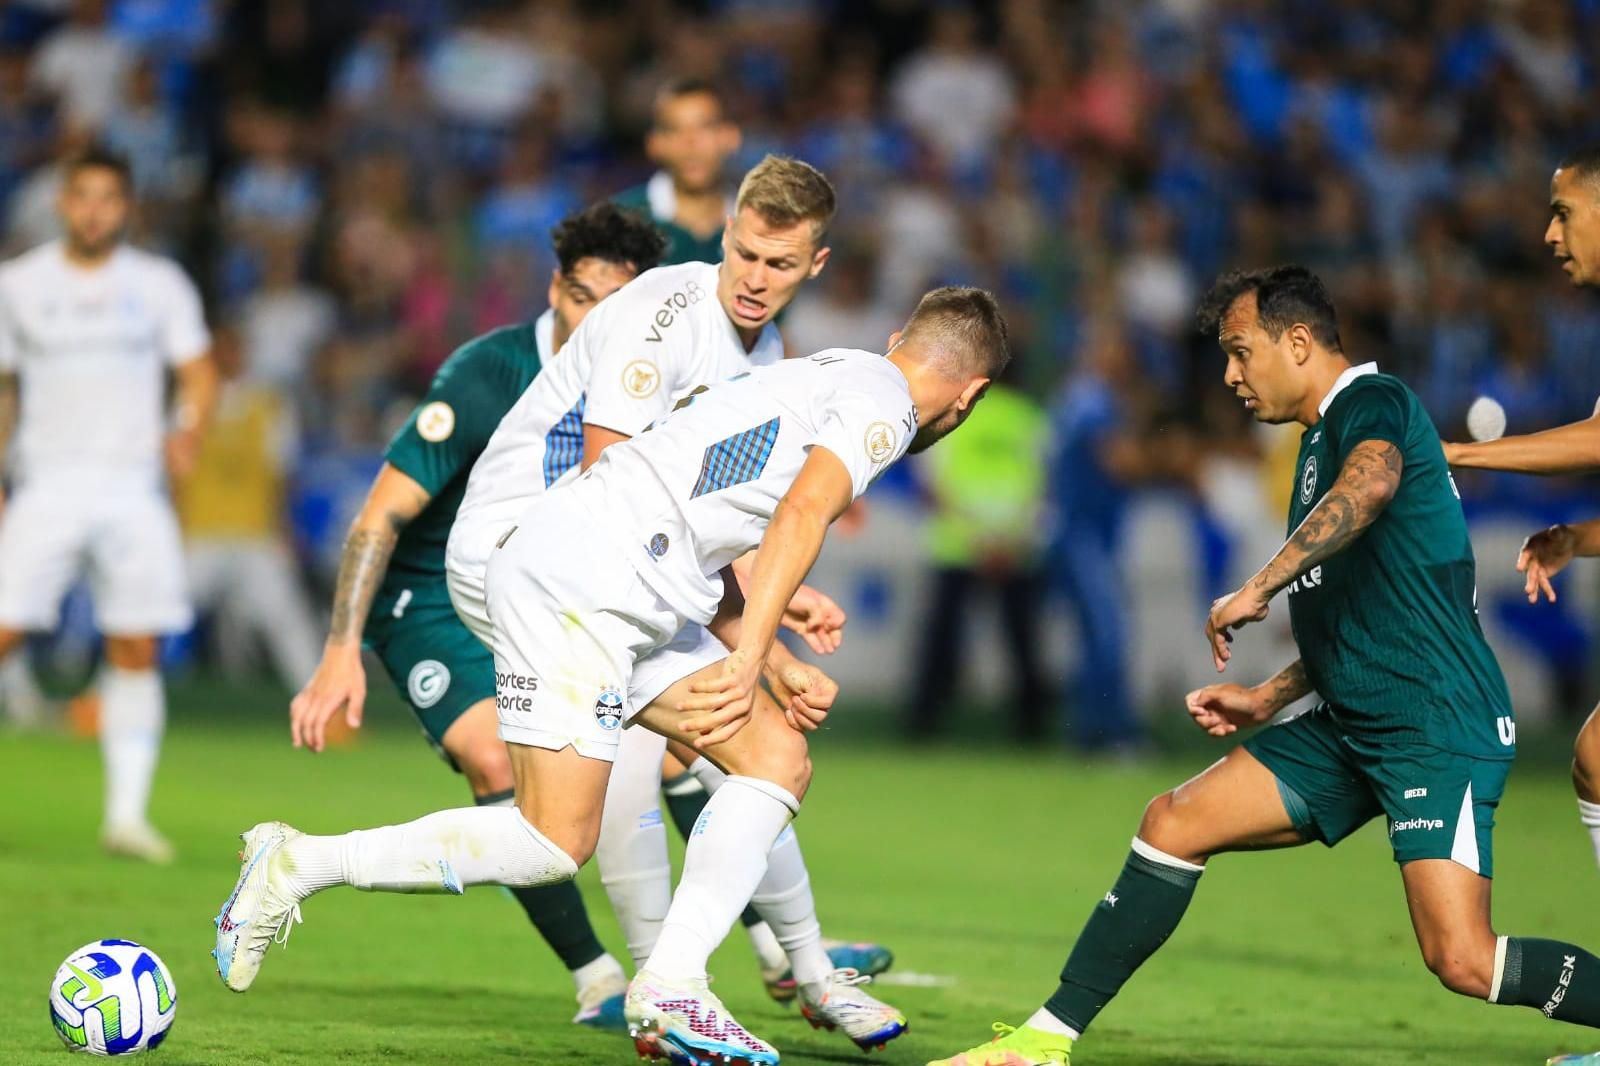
(469, 395)
(1373, 407)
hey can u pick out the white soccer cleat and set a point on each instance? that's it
(261, 909)
(688, 1026)
(137, 840)
(845, 1005)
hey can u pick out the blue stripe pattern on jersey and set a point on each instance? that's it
(563, 445)
(737, 459)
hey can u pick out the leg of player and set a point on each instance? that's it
(545, 838)
(1450, 911)
(1586, 777)
(686, 797)
(632, 853)
(1233, 805)
(133, 717)
(556, 909)
(669, 1002)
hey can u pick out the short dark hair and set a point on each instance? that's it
(1585, 160)
(606, 231)
(965, 331)
(99, 157)
(1284, 295)
(678, 88)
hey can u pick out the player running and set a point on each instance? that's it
(391, 592)
(691, 139)
(88, 328)
(589, 590)
(1574, 238)
(1415, 723)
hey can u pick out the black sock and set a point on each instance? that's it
(1559, 979)
(556, 910)
(686, 797)
(1135, 918)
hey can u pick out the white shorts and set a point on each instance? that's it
(580, 642)
(466, 557)
(127, 542)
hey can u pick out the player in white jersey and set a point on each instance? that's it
(89, 328)
(596, 579)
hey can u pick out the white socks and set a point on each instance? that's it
(133, 714)
(1043, 1019)
(442, 852)
(727, 857)
(1589, 815)
(784, 901)
(632, 850)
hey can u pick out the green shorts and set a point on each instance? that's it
(434, 660)
(1439, 805)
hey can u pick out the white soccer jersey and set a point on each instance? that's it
(697, 491)
(90, 348)
(634, 355)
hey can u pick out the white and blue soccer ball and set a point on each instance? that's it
(113, 997)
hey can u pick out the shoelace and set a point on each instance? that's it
(280, 935)
(849, 977)
(1001, 1031)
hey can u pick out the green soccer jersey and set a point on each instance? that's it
(655, 200)
(1388, 628)
(443, 437)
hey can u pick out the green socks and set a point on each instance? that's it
(1559, 979)
(686, 797)
(1135, 918)
(556, 910)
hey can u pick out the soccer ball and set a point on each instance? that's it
(113, 997)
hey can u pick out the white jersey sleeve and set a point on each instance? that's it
(867, 426)
(647, 355)
(184, 336)
(10, 343)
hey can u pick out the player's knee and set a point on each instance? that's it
(487, 766)
(781, 756)
(1462, 965)
(1586, 760)
(132, 653)
(1162, 824)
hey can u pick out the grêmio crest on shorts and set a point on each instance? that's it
(1388, 629)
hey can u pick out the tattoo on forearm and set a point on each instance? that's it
(1287, 685)
(361, 569)
(1366, 484)
(8, 412)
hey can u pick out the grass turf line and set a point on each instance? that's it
(977, 865)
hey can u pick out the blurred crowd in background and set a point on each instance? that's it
(360, 186)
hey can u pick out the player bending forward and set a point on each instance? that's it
(1415, 722)
(88, 328)
(596, 578)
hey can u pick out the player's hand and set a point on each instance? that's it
(720, 704)
(817, 619)
(1229, 613)
(805, 693)
(182, 453)
(340, 683)
(1543, 556)
(1222, 709)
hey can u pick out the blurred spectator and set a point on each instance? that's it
(27, 124)
(285, 322)
(987, 485)
(148, 132)
(242, 574)
(954, 92)
(690, 198)
(85, 65)
(271, 193)
(838, 310)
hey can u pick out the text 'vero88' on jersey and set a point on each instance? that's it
(90, 349)
(638, 352)
(697, 491)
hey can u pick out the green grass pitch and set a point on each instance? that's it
(974, 864)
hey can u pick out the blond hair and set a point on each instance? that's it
(962, 331)
(786, 192)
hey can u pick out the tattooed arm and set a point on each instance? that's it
(8, 418)
(1367, 482)
(340, 682)
(1223, 709)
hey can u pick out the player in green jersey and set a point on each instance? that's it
(1414, 724)
(691, 139)
(1574, 237)
(391, 593)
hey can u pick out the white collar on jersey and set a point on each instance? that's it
(544, 335)
(663, 198)
(1342, 382)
